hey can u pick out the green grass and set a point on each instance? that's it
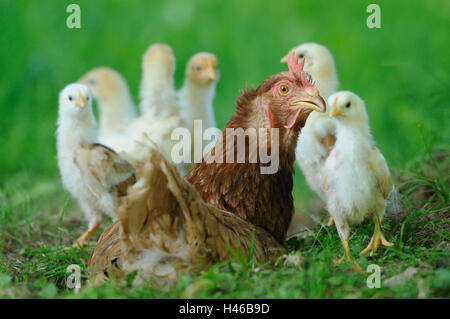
(401, 71)
(36, 234)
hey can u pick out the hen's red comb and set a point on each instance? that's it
(296, 69)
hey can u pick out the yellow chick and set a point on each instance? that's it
(196, 96)
(160, 115)
(156, 91)
(117, 110)
(355, 176)
(93, 173)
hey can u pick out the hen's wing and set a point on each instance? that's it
(106, 254)
(378, 165)
(166, 226)
(113, 173)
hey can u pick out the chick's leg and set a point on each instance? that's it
(330, 222)
(377, 238)
(344, 233)
(94, 224)
(347, 253)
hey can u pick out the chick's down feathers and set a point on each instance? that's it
(355, 176)
(116, 107)
(196, 96)
(93, 173)
(160, 114)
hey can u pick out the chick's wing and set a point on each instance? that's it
(110, 170)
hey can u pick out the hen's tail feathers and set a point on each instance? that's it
(162, 218)
(105, 257)
(165, 221)
(396, 208)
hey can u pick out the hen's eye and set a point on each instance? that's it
(70, 98)
(284, 89)
(347, 105)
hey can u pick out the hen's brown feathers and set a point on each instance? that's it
(244, 101)
(264, 200)
(168, 224)
(106, 254)
(163, 214)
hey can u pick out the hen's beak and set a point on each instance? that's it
(312, 103)
(81, 101)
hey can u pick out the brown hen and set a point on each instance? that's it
(166, 224)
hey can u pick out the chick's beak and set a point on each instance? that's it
(285, 58)
(297, 106)
(334, 110)
(81, 101)
(210, 74)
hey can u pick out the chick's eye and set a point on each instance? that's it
(198, 68)
(92, 81)
(347, 105)
(301, 55)
(283, 89)
(70, 98)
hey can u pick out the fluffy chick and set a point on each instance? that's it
(196, 96)
(355, 178)
(160, 115)
(116, 106)
(94, 174)
(156, 91)
(317, 137)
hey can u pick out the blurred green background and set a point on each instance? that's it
(400, 70)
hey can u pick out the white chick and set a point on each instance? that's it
(317, 137)
(94, 174)
(160, 115)
(196, 96)
(116, 106)
(355, 176)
